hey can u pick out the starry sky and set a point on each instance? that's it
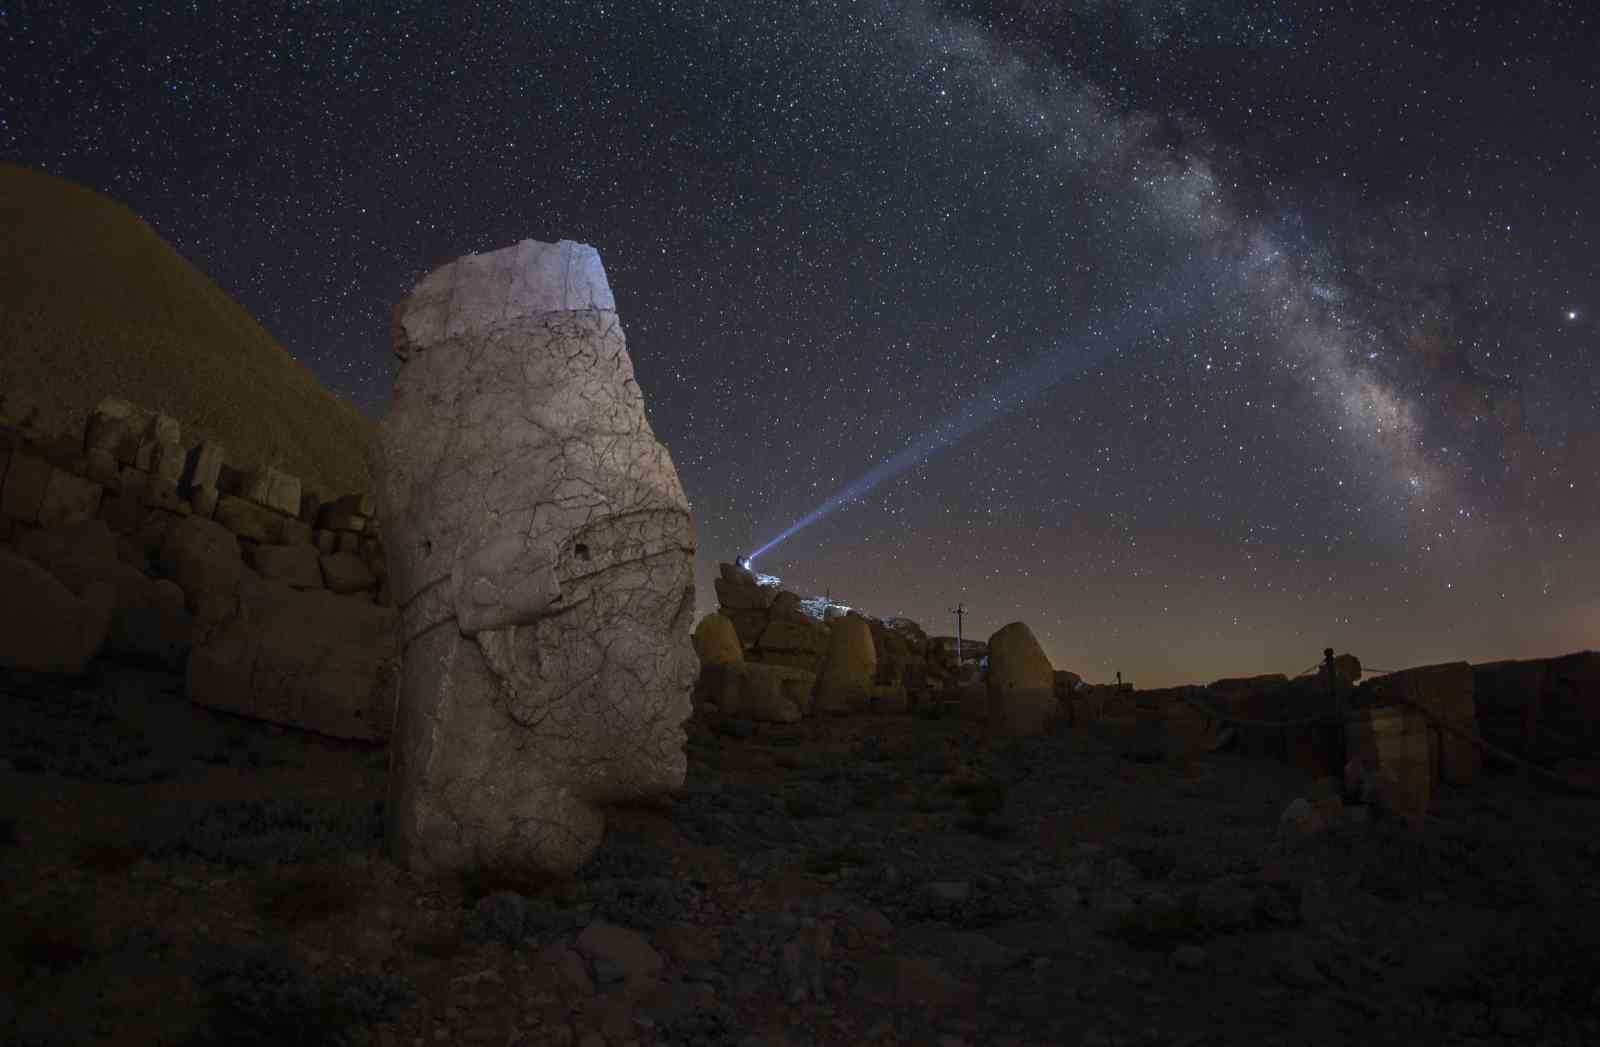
(1198, 335)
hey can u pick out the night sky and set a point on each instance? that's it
(1198, 335)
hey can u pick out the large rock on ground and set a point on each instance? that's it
(43, 626)
(848, 670)
(202, 557)
(149, 622)
(756, 691)
(797, 645)
(541, 553)
(301, 658)
(1445, 693)
(715, 642)
(739, 590)
(294, 565)
(1022, 699)
(1543, 709)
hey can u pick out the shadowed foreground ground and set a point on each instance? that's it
(172, 875)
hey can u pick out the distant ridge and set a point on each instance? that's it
(93, 303)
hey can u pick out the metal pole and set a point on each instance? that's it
(1338, 713)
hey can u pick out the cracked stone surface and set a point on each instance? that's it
(541, 554)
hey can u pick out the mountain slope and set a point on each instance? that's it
(93, 303)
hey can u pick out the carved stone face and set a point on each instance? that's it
(529, 509)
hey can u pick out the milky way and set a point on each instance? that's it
(1198, 336)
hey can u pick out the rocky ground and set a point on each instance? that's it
(172, 875)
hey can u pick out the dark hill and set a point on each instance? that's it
(93, 303)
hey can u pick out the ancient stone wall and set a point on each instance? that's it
(134, 471)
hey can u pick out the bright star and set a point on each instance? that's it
(1572, 314)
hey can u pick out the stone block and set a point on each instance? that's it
(272, 488)
(203, 465)
(122, 513)
(294, 565)
(103, 468)
(1393, 743)
(346, 542)
(295, 532)
(203, 500)
(161, 493)
(116, 427)
(68, 499)
(336, 518)
(357, 504)
(302, 658)
(325, 541)
(310, 508)
(1445, 692)
(249, 520)
(26, 480)
(167, 462)
(131, 481)
(345, 573)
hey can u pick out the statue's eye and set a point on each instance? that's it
(581, 551)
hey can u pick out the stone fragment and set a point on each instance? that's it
(739, 590)
(203, 500)
(249, 520)
(345, 573)
(1022, 699)
(159, 493)
(1394, 744)
(292, 532)
(357, 504)
(848, 669)
(294, 565)
(203, 466)
(149, 622)
(305, 659)
(43, 626)
(543, 567)
(68, 499)
(103, 468)
(1446, 693)
(202, 557)
(325, 541)
(336, 517)
(757, 691)
(26, 480)
(715, 642)
(167, 462)
(272, 488)
(795, 644)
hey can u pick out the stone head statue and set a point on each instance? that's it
(541, 553)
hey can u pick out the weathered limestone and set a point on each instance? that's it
(540, 550)
(43, 626)
(272, 488)
(738, 589)
(248, 520)
(1444, 692)
(715, 642)
(306, 659)
(1392, 743)
(149, 622)
(848, 670)
(202, 557)
(756, 691)
(294, 565)
(797, 645)
(68, 499)
(345, 573)
(203, 466)
(1022, 699)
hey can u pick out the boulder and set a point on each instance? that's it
(202, 466)
(344, 572)
(44, 627)
(294, 565)
(795, 644)
(848, 669)
(786, 607)
(1022, 697)
(715, 642)
(149, 621)
(271, 488)
(539, 543)
(748, 625)
(1392, 743)
(202, 557)
(739, 590)
(250, 521)
(1445, 693)
(301, 658)
(755, 691)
